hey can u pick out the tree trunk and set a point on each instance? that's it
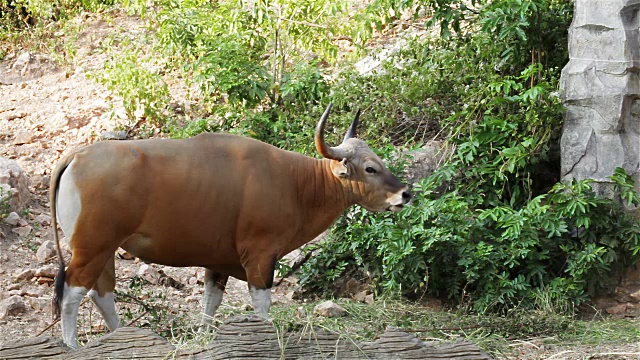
(246, 337)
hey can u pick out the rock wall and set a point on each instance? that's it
(601, 91)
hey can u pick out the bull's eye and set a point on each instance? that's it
(370, 170)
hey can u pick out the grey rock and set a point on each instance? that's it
(12, 306)
(12, 219)
(14, 185)
(423, 162)
(114, 135)
(600, 90)
(24, 275)
(22, 231)
(46, 251)
(149, 273)
(22, 61)
(43, 219)
(47, 271)
(329, 309)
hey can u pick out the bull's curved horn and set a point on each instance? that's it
(353, 128)
(321, 145)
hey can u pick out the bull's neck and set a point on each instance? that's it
(323, 198)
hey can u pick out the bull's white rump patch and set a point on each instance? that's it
(68, 204)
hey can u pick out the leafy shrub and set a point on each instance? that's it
(489, 239)
(232, 70)
(144, 93)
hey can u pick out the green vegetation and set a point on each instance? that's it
(490, 231)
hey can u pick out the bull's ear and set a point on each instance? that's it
(340, 169)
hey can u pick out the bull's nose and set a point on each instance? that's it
(406, 196)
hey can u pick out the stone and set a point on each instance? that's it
(114, 135)
(24, 275)
(423, 162)
(360, 297)
(15, 185)
(36, 293)
(12, 219)
(22, 137)
(12, 115)
(123, 254)
(12, 306)
(59, 120)
(48, 271)
(22, 61)
(39, 303)
(13, 287)
(604, 302)
(44, 280)
(149, 273)
(369, 299)
(618, 309)
(601, 93)
(46, 251)
(43, 219)
(301, 312)
(329, 309)
(22, 231)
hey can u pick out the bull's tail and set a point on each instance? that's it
(56, 303)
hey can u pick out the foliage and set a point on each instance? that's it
(5, 202)
(482, 230)
(524, 31)
(144, 93)
(487, 240)
(24, 14)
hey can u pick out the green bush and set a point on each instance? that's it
(568, 244)
(144, 93)
(480, 231)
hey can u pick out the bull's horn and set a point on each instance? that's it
(321, 145)
(353, 128)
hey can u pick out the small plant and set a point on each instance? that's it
(144, 94)
(5, 202)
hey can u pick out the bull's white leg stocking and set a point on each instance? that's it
(261, 299)
(107, 307)
(69, 314)
(212, 298)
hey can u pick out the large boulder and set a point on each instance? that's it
(601, 92)
(424, 161)
(14, 186)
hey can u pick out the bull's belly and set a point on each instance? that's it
(184, 253)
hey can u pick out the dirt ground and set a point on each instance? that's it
(46, 111)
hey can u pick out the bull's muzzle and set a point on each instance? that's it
(398, 200)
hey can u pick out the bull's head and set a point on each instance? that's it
(375, 187)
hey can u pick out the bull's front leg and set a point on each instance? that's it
(214, 285)
(260, 280)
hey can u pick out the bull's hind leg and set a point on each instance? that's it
(83, 272)
(103, 297)
(214, 284)
(69, 313)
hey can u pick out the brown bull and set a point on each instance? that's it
(230, 204)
